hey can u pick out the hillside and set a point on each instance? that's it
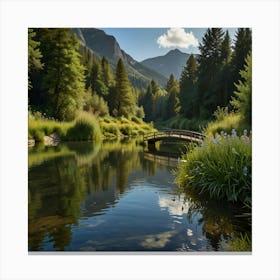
(103, 44)
(171, 63)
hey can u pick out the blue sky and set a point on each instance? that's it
(142, 43)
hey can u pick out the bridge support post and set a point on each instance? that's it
(151, 145)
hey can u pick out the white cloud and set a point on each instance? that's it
(177, 37)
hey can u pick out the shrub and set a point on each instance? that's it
(126, 130)
(86, 127)
(136, 120)
(243, 243)
(225, 124)
(110, 130)
(221, 167)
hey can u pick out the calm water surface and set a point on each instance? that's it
(115, 196)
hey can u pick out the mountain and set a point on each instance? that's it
(103, 44)
(171, 63)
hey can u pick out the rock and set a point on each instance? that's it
(51, 140)
(31, 142)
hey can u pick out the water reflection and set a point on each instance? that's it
(113, 196)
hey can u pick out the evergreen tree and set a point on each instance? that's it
(187, 87)
(34, 55)
(242, 101)
(107, 75)
(170, 83)
(226, 49)
(123, 99)
(148, 103)
(63, 77)
(210, 66)
(172, 104)
(226, 78)
(242, 47)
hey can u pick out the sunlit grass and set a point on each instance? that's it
(243, 243)
(226, 124)
(220, 167)
(87, 127)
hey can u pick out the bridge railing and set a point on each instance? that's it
(173, 132)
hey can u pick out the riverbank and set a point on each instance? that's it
(86, 127)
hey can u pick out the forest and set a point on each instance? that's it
(66, 78)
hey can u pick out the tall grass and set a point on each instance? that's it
(225, 124)
(86, 127)
(243, 243)
(220, 167)
(38, 128)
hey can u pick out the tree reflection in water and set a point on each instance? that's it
(76, 181)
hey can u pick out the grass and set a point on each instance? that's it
(243, 243)
(37, 129)
(118, 127)
(220, 167)
(86, 127)
(226, 124)
(179, 122)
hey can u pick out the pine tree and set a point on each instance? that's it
(187, 87)
(242, 101)
(172, 105)
(107, 75)
(34, 55)
(242, 47)
(124, 101)
(63, 77)
(226, 78)
(210, 66)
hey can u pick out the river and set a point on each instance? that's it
(116, 196)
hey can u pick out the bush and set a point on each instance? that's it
(126, 130)
(110, 130)
(86, 127)
(136, 120)
(243, 243)
(221, 167)
(225, 124)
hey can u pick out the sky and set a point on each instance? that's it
(142, 43)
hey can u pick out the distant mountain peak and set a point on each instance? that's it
(170, 63)
(175, 51)
(106, 45)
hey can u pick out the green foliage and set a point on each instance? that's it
(34, 54)
(86, 127)
(63, 77)
(220, 113)
(243, 243)
(95, 104)
(220, 167)
(140, 114)
(242, 101)
(172, 104)
(39, 127)
(126, 130)
(154, 102)
(188, 88)
(124, 103)
(242, 47)
(226, 124)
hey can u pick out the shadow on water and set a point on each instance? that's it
(114, 196)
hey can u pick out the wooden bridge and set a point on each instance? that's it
(185, 135)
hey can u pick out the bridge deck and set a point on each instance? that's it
(176, 134)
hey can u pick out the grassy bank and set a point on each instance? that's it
(220, 167)
(179, 122)
(86, 127)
